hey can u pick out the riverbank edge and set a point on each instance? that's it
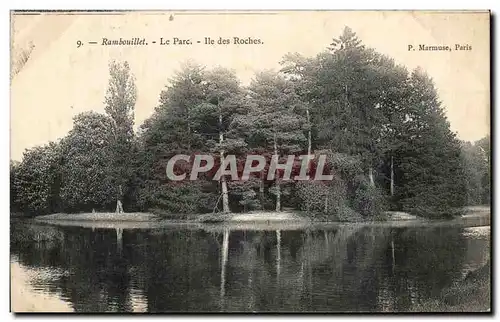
(268, 216)
(251, 217)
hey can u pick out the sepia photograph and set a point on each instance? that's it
(300, 161)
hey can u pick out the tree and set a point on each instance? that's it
(223, 101)
(38, 179)
(476, 163)
(88, 174)
(347, 40)
(177, 101)
(345, 90)
(302, 72)
(484, 146)
(391, 102)
(175, 128)
(430, 172)
(15, 205)
(347, 108)
(119, 106)
(275, 123)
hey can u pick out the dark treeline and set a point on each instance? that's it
(383, 129)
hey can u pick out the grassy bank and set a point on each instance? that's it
(197, 218)
(102, 216)
(249, 217)
(254, 216)
(472, 294)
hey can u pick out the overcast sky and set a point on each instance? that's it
(61, 80)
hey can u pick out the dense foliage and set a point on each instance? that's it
(384, 131)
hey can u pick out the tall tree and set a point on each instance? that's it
(224, 100)
(429, 163)
(302, 71)
(119, 106)
(275, 123)
(476, 163)
(391, 103)
(88, 174)
(176, 128)
(184, 92)
(349, 119)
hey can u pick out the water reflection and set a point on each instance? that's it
(340, 269)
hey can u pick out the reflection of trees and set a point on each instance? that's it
(342, 264)
(346, 268)
(96, 276)
(305, 272)
(430, 261)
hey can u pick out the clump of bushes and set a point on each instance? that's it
(329, 202)
(243, 195)
(186, 197)
(348, 197)
(369, 200)
(430, 204)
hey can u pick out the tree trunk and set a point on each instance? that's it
(370, 175)
(225, 198)
(261, 190)
(278, 197)
(119, 206)
(392, 176)
(308, 135)
(278, 190)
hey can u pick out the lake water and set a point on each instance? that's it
(343, 268)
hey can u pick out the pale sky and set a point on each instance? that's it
(61, 80)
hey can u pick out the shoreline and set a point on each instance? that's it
(101, 216)
(253, 216)
(211, 218)
(253, 221)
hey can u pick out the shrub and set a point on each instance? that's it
(243, 195)
(179, 198)
(368, 200)
(249, 201)
(430, 204)
(326, 201)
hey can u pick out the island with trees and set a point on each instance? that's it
(383, 128)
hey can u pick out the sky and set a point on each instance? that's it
(60, 80)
